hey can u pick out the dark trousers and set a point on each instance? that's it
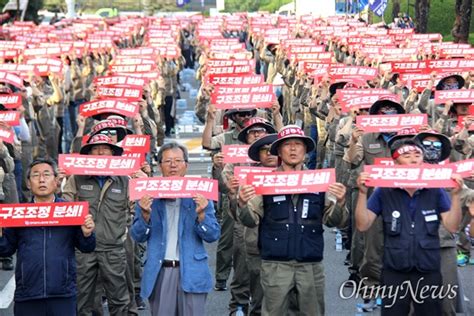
(414, 293)
(169, 120)
(46, 307)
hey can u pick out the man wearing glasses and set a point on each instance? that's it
(46, 270)
(176, 276)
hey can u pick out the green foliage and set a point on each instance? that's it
(254, 5)
(441, 17)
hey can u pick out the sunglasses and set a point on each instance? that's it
(111, 132)
(436, 144)
(244, 114)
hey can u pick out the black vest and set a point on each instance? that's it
(292, 232)
(411, 243)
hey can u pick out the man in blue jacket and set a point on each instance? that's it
(176, 277)
(46, 266)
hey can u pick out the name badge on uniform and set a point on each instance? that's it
(88, 187)
(374, 146)
(304, 214)
(279, 198)
(431, 218)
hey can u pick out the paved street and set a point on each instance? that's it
(189, 133)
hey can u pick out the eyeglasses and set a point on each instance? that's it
(244, 114)
(108, 132)
(256, 131)
(436, 144)
(173, 161)
(265, 149)
(37, 175)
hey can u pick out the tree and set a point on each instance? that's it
(460, 31)
(395, 8)
(422, 12)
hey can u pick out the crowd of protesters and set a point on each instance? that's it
(295, 93)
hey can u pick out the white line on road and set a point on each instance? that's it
(6, 295)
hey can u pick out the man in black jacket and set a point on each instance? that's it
(46, 266)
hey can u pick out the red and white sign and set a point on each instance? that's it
(11, 101)
(136, 143)
(119, 80)
(263, 88)
(173, 187)
(236, 154)
(108, 106)
(132, 68)
(43, 214)
(231, 70)
(390, 123)
(353, 72)
(7, 135)
(456, 96)
(364, 101)
(234, 80)
(139, 52)
(391, 162)
(11, 79)
(241, 172)
(463, 168)
(297, 182)
(231, 55)
(324, 56)
(243, 100)
(426, 176)
(98, 165)
(231, 63)
(127, 93)
(12, 118)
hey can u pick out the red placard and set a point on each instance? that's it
(132, 68)
(11, 79)
(230, 63)
(143, 51)
(43, 214)
(261, 88)
(242, 172)
(231, 55)
(324, 56)
(11, 101)
(173, 187)
(426, 176)
(456, 96)
(353, 72)
(463, 167)
(98, 165)
(390, 123)
(132, 61)
(409, 66)
(236, 154)
(7, 135)
(136, 143)
(119, 80)
(12, 118)
(243, 100)
(450, 65)
(215, 79)
(246, 69)
(108, 106)
(296, 182)
(120, 92)
(364, 101)
(307, 49)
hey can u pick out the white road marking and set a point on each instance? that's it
(6, 295)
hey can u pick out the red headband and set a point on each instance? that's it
(406, 149)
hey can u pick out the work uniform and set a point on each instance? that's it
(109, 206)
(412, 245)
(291, 245)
